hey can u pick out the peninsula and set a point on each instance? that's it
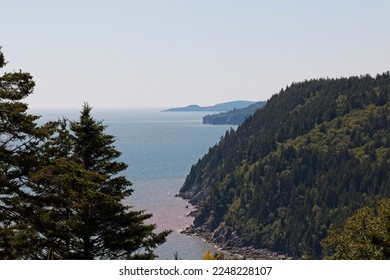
(221, 107)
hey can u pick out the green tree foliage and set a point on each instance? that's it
(365, 235)
(78, 208)
(20, 138)
(314, 154)
(61, 188)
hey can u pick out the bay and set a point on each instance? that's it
(159, 149)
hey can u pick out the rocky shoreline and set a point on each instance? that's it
(232, 246)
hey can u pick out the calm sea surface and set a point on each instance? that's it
(159, 148)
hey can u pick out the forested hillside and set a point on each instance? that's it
(316, 153)
(235, 116)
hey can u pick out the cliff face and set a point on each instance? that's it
(315, 153)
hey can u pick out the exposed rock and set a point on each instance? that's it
(231, 245)
(192, 213)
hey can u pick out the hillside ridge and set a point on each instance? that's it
(318, 151)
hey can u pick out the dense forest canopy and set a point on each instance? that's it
(309, 159)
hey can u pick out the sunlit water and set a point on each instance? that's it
(159, 148)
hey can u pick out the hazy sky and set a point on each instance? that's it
(123, 53)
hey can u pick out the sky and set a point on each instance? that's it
(160, 54)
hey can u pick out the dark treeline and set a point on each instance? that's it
(316, 153)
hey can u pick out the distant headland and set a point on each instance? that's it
(221, 107)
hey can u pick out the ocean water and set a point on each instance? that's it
(159, 149)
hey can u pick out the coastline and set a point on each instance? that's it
(234, 252)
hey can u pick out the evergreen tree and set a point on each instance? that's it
(61, 192)
(20, 138)
(80, 193)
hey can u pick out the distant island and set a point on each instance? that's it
(234, 117)
(222, 107)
